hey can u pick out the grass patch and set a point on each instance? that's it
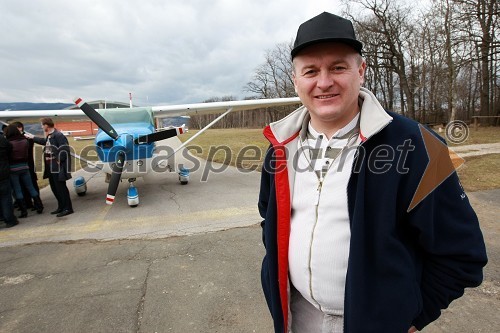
(243, 148)
(480, 173)
(488, 134)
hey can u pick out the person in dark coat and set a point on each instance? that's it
(5, 188)
(19, 170)
(57, 165)
(31, 166)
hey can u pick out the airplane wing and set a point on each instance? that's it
(200, 108)
(165, 110)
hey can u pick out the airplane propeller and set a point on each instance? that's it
(96, 118)
(124, 142)
(117, 169)
(157, 136)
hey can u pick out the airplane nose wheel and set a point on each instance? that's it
(132, 194)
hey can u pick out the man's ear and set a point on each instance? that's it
(362, 69)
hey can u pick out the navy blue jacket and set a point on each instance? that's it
(404, 266)
(61, 165)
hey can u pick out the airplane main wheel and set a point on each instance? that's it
(80, 186)
(132, 196)
(183, 175)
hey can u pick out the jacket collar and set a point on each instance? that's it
(372, 120)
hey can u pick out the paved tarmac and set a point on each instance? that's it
(187, 259)
(216, 198)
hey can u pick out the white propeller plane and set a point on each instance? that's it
(125, 142)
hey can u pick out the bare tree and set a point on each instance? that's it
(434, 64)
(273, 78)
(482, 16)
(388, 21)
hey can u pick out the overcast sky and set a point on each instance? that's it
(162, 51)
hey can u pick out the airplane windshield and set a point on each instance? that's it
(105, 144)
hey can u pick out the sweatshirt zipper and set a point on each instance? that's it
(318, 195)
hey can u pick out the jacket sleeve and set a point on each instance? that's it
(452, 248)
(40, 141)
(265, 188)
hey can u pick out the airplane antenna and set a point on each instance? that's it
(130, 98)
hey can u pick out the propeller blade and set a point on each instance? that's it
(161, 135)
(116, 175)
(96, 118)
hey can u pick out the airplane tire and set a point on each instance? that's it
(184, 183)
(81, 194)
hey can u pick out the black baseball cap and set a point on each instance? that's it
(325, 27)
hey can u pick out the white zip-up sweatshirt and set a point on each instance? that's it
(320, 231)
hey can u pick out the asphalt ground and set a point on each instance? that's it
(217, 197)
(187, 259)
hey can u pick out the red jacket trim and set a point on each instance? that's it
(362, 137)
(282, 187)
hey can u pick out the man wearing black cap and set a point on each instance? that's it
(344, 250)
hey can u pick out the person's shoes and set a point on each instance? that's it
(57, 211)
(10, 225)
(38, 204)
(64, 213)
(22, 207)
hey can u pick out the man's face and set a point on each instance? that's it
(45, 128)
(327, 77)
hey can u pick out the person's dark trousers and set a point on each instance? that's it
(27, 197)
(6, 202)
(61, 193)
(34, 179)
(26, 193)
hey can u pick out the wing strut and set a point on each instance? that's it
(195, 136)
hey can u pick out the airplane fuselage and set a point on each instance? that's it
(138, 157)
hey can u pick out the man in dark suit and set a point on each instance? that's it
(57, 165)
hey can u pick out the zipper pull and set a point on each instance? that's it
(318, 191)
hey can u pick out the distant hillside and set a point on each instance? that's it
(18, 106)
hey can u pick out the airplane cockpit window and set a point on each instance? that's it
(105, 144)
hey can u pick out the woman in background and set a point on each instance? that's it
(19, 170)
